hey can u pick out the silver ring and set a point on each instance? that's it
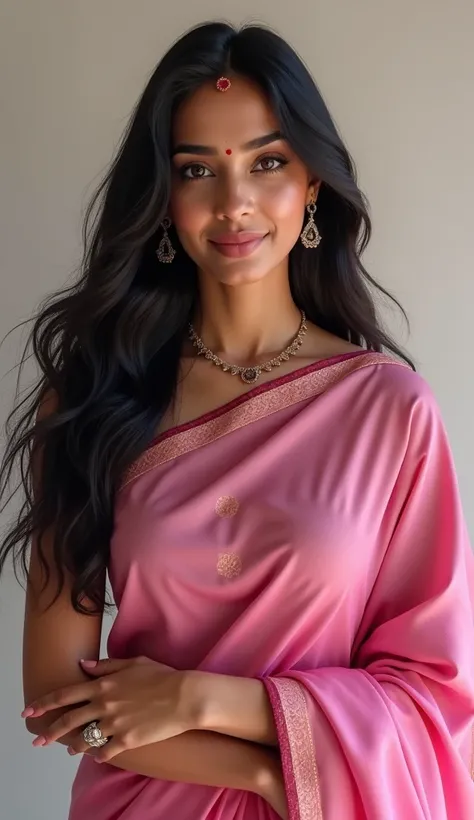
(93, 735)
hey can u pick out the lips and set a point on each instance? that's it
(240, 238)
(238, 245)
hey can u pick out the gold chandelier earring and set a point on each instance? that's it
(165, 251)
(311, 236)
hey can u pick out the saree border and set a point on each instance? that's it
(300, 770)
(253, 406)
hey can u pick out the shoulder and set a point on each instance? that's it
(396, 378)
(402, 394)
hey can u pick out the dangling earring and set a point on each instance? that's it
(165, 251)
(311, 236)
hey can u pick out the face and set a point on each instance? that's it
(239, 192)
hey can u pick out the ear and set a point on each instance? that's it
(313, 190)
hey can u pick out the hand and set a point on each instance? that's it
(135, 702)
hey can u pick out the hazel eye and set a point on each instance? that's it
(195, 171)
(270, 164)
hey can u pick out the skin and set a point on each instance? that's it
(247, 312)
(173, 724)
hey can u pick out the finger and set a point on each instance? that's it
(114, 747)
(79, 745)
(67, 696)
(104, 667)
(119, 743)
(69, 722)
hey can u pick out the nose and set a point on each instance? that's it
(234, 201)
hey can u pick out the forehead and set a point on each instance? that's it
(211, 117)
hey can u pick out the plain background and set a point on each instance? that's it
(398, 78)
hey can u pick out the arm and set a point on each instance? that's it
(54, 641)
(239, 707)
(234, 706)
(391, 735)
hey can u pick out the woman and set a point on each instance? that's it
(286, 547)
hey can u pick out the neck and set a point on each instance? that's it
(248, 323)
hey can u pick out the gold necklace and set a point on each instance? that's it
(250, 375)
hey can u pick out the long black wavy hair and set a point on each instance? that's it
(108, 347)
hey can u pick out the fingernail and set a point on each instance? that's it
(97, 760)
(71, 751)
(27, 712)
(89, 664)
(39, 741)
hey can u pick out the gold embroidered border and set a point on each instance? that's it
(303, 758)
(257, 407)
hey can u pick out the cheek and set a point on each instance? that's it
(286, 204)
(187, 210)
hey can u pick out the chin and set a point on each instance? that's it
(235, 272)
(234, 275)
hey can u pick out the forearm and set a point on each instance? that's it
(204, 758)
(239, 707)
(197, 757)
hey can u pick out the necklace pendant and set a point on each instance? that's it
(250, 375)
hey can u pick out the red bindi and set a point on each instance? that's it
(229, 151)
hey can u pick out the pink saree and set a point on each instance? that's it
(309, 534)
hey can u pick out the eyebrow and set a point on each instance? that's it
(208, 151)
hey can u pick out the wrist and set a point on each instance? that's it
(208, 700)
(234, 706)
(196, 701)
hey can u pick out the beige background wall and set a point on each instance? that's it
(399, 79)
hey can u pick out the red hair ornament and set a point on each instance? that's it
(223, 84)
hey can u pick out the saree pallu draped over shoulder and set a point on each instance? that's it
(309, 534)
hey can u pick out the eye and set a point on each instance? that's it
(271, 164)
(195, 171)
